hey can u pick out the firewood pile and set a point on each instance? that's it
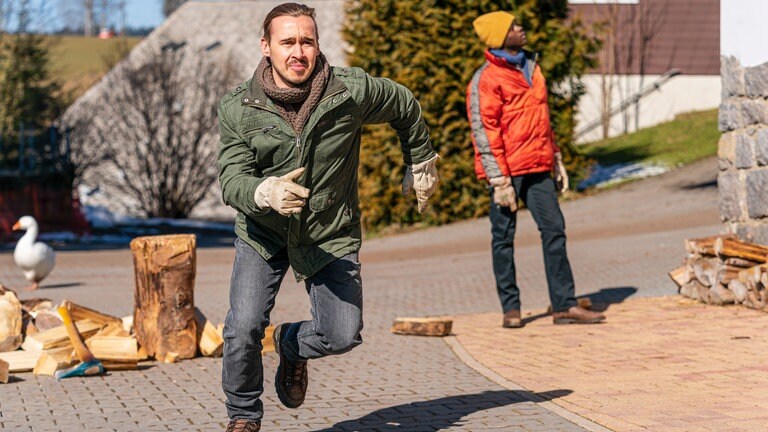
(724, 270)
(165, 326)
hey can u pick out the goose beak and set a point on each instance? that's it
(16, 226)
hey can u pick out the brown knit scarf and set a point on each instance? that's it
(295, 104)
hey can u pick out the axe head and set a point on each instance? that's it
(93, 367)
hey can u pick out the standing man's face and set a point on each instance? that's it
(516, 37)
(293, 48)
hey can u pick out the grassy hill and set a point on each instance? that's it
(77, 62)
(688, 137)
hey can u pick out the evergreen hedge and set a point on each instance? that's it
(430, 47)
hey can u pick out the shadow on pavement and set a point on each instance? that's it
(701, 185)
(601, 300)
(62, 285)
(439, 414)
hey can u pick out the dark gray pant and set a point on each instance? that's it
(336, 298)
(540, 197)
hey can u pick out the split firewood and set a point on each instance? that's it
(686, 290)
(431, 326)
(46, 320)
(755, 299)
(113, 329)
(720, 295)
(142, 354)
(4, 369)
(58, 337)
(740, 262)
(267, 343)
(36, 304)
(209, 340)
(726, 273)
(164, 268)
(114, 348)
(128, 323)
(697, 290)
(29, 327)
(54, 359)
(734, 248)
(20, 361)
(10, 320)
(79, 313)
(705, 270)
(679, 275)
(753, 274)
(738, 289)
(706, 245)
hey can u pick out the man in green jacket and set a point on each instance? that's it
(288, 159)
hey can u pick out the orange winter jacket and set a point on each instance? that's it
(509, 117)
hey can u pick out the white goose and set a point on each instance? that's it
(36, 259)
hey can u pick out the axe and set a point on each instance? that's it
(89, 365)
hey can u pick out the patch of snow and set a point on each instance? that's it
(602, 176)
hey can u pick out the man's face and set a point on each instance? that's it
(516, 37)
(293, 48)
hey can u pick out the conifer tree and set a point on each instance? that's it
(430, 47)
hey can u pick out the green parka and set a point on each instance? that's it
(257, 142)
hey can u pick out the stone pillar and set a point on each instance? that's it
(743, 150)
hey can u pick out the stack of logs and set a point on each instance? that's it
(165, 324)
(724, 270)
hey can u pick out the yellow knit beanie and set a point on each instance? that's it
(493, 27)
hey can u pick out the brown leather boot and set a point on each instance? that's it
(512, 319)
(291, 378)
(243, 425)
(577, 315)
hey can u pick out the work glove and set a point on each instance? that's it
(282, 194)
(503, 192)
(561, 175)
(422, 178)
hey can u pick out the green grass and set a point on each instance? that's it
(78, 62)
(687, 138)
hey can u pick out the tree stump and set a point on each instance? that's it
(164, 314)
(10, 320)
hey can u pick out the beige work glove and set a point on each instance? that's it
(503, 192)
(422, 178)
(561, 175)
(282, 194)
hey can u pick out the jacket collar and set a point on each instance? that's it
(530, 56)
(255, 94)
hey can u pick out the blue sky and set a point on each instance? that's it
(143, 13)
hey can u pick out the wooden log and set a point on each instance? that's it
(58, 337)
(79, 313)
(128, 323)
(697, 290)
(705, 270)
(267, 344)
(10, 320)
(734, 248)
(430, 326)
(740, 262)
(54, 359)
(720, 295)
(20, 361)
(164, 315)
(47, 319)
(113, 329)
(114, 348)
(752, 274)
(36, 304)
(209, 340)
(738, 289)
(679, 275)
(4, 369)
(726, 273)
(705, 245)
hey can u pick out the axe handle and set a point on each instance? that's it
(83, 353)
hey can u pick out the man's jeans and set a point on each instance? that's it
(336, 298)
(538, 193)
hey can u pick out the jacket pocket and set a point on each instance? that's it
(328, 216)
(270, 144)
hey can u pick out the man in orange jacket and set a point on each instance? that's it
(515, 152)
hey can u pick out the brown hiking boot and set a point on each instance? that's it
(577, 315)
(512, 319)
(291, 378)
(243, 425)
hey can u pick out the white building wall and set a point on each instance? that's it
(743, 31)
(681, 94)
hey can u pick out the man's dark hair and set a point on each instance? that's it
(288, 9)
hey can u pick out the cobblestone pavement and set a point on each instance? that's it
(621, 244)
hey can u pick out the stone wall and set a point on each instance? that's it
(743, 150)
